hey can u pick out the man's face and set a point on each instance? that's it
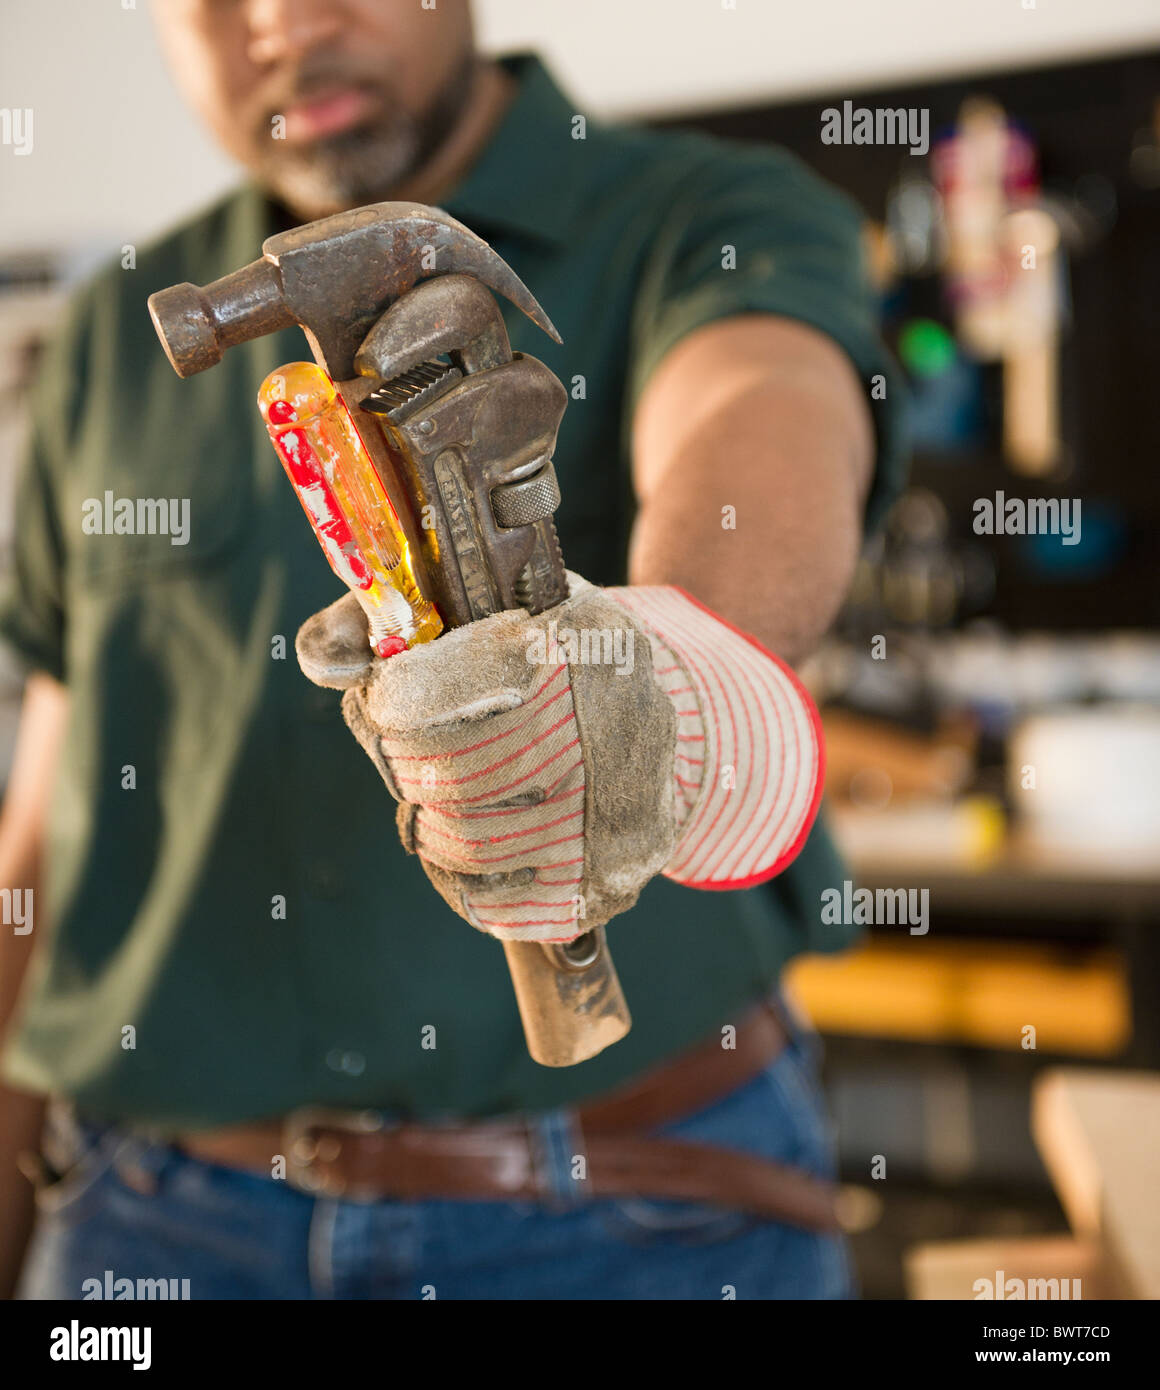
(330, 103)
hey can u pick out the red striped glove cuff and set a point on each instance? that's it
(749, 758)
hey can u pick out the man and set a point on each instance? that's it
(227, 928)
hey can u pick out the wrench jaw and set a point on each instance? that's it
(454, 315)
(473, 442)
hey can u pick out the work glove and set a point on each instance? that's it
(547, 767)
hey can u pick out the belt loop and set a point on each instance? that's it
(141, 1158)
(560, 1157)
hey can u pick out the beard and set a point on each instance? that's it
(365, 164)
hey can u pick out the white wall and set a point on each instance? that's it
(655, 55)
(115, 157)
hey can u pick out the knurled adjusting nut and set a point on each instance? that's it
(527, 501)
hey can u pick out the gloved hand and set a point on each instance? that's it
(547, 767)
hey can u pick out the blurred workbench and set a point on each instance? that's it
(1098, 1133)
(1021, 877)
(1065, 941)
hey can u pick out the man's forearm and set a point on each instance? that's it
(755, 508)
(21, 1114)
(22, 820)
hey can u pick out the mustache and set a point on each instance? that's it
(316, 74)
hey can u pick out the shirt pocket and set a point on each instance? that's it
(171, 573)
(161, 484)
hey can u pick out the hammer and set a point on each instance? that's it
(466, 448)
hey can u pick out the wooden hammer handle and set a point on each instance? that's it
(570, 1000)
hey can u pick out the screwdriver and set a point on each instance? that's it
(346, 503)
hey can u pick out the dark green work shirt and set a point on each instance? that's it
(205, 781)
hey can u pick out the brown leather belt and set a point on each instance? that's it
(358, 1156)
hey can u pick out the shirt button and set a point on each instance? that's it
(341, 1059)
(323, 880)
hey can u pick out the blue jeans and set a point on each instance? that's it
(145, 1211)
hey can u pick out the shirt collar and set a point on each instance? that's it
(527, 179)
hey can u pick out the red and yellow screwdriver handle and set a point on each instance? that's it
(346, 504)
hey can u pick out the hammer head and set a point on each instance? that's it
(335, 277)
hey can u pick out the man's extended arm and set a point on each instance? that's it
(22, 821)
(764, 416)
(755, 414)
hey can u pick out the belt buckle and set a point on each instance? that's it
(304, 1148)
